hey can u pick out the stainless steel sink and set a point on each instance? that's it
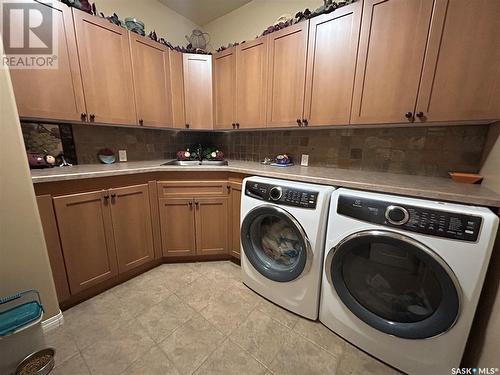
(195, 162)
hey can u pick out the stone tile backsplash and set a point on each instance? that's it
(431, 151)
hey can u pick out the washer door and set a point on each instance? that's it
(275, 243)
(395, 284)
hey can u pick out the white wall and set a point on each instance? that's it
(24, 263)
(156, 16)
(250, 20)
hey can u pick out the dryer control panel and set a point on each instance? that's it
(282, 195)
(415, 219)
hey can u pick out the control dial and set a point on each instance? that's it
(397, 215)
(275, 193)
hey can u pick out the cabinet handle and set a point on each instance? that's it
(106, 197)
(420, 115)
(409, 115)
(92, 117)
(299, 122)
(113, 195)
(190, 204)
(237, 125)
(83, 116)
(305, 122)
(187, 126)
(234, 125)
(197, 204)
(141, 122)
(228, 188)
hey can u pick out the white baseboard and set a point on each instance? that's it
(53, 323)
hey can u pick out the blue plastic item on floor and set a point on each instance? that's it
(25, 312)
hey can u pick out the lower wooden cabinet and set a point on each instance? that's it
(234, 219)
(104, 233)
(193, 226)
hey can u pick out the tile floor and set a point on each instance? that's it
(197, 318)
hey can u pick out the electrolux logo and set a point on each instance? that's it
(474, 370)
(29, 33)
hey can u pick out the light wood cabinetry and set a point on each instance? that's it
(106, 69)
(132, 229)
(251, 83)
(86, 233)
(198, 91)
(211, 225)
(461, 73)
(53, 93)
(151, 82)
(234, 219)
(224, 77)
(391, 53)
(177, 226)
(287, 71)
(193, 217)
(51, 234)
(331, 62)
(176, 74)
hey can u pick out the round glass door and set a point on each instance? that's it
(275, 243)
(395, 284)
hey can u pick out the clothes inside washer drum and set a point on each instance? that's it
(279, 241)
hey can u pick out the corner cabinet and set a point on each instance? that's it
(151, 82)
(53, 93)
(287, 71)
(106, 69)
(390, 58)
(234, 218)
(461, 73)
(198, 91)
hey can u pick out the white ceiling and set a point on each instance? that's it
(202, 12)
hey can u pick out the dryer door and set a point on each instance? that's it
(395, 284)
(275, 243)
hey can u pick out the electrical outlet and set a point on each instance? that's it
(122, 155)
(305, 160)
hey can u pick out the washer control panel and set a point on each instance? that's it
(282, 195)
(415, 219)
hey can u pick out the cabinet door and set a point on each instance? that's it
(461, 75)
(86, 234)
(52, 93)
(198, 91)
(224, 88)
(390, 58)
(176, 89)
(104, 52)
(132, 226)
(234, 219)
(51, 234)
(251, 83)
(211, 225)
(287, 71)
(150, 82)
(331, 62)
(177, 226)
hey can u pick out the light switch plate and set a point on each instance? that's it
(305, 160)
(122, 155)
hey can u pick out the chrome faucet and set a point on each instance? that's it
(199, 150)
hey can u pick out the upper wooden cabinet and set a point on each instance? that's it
(86, 233)
(198, 91)
(391, 53)
(461, 74)
(132, 227)
(53, 93)
(224, 68)
(105, 63)
(176, 76)
(331, 62)
(151, 82)
(251, 83)
(287, 71)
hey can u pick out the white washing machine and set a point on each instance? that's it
(402, 276)
(283, 225)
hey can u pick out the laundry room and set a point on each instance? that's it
(249, 187)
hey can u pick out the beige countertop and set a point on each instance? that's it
(437, 188)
